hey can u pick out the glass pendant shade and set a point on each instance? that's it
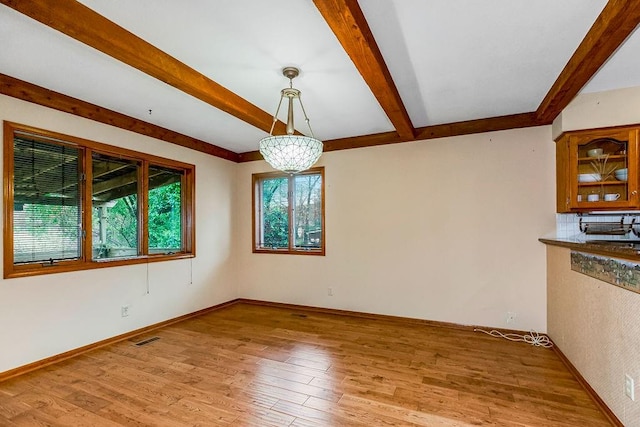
(292, 152)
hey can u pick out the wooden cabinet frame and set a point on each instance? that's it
(570, 161)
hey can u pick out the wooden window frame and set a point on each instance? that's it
(256, 208)
(86, 260)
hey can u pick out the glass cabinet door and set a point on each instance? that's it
(605, 173)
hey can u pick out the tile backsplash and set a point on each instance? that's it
(568, 225)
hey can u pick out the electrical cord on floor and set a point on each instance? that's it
(532, 338)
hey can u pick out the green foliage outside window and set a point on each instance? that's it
(165, 218)
(165, 232)
(291, 207)
(275, 213)
(120, 222)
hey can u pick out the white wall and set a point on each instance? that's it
(442, 230)
(599, 109)
(46, 315)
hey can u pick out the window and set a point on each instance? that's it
(165, 210)
(74, 204)
(114, 200)
(289, 212)
(46, 201)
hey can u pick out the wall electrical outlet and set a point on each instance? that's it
(124, 310)
(510, 317)
(629, 387)
(330, 292)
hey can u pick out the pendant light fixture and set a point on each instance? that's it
(290, 153)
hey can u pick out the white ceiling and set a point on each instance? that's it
(452, 60)
(456, 60)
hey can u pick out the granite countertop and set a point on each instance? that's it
(615, 248)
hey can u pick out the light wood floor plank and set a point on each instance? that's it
(251, 365)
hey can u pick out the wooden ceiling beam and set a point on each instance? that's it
(491, 124)
(346, 20)
(32, 93)
(615, 23)
(78, 21)
(38, 95)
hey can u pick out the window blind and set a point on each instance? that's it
(46, 196)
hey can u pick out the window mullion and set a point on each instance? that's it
(86, 203)
(291, 201)
(258, 231)
(184, 239)
(8, 191)
(143, 191)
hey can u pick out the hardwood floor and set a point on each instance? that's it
(249, 365)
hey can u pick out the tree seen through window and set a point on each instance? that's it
(289, 215)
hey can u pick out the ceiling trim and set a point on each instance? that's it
(38, 95)
(348, 23)
(491, 124)
(615, 23)
(83, 24)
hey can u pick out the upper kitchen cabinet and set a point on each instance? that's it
(597, 169)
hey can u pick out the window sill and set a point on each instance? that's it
(315, 251)
(26, 270)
